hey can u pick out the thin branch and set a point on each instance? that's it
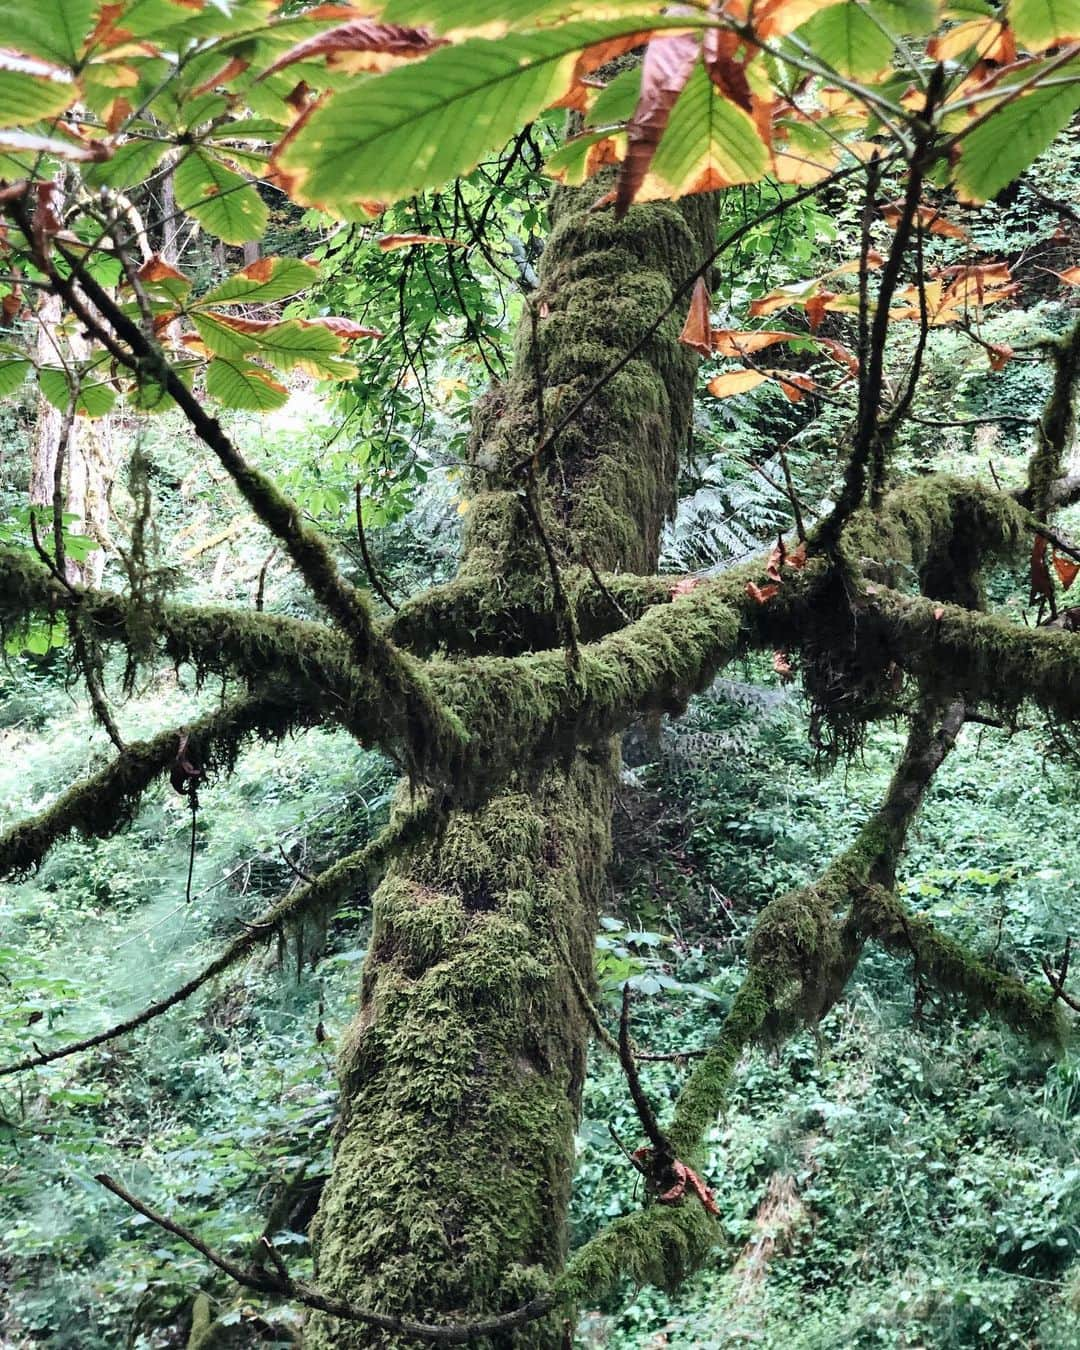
(665, 1154)
(321, 891)
(281, 1283)
(373, 576)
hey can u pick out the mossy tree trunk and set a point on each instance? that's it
(462, 1073)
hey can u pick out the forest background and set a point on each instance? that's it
(908, 1176)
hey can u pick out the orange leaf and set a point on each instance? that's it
(361, 46)
(1000, 355)
(1066, 568)
(229, 71)
(695, 331)
(348, 329)
(816, 308)
(1041, 585)
(734, 382)
(732, 342)
(762, 594)
(929, 217)
(155, 268)
(795, 386)
(391, 241)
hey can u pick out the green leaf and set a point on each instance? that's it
(220, 339)
(223, 202)
(617, 100)
(709, 142)
(570, 163)
(12, 374)
(262, 283)
(420, 125)
(846, 38)
(906, 16)
(236, 384)
(56, 29)
(294, 344)
(1045, 23)
(494, 16)
(32, 88)
(1001, 148)
(96, 397)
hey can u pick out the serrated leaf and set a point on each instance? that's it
(581, 157)
(32, 88)
(262, 283)
(132, 162)
(846, 38)
(494, 17)
(420, 125)
(55, 29)
(12, 374)
(95, 399)
(709, 143)
(237, 384)
(361, 46)
(1039, 24)
(224, 203)
(1001, 148)
(916, 17)
(219, 339)
(617, 100)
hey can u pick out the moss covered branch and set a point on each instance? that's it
(102, 804)
(311, 901)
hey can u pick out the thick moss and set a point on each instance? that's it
(462, 1074)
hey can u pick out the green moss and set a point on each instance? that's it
(1056, 429)
(105, 802)
(956, 971)
(462, 1072)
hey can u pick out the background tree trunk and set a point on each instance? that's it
(462, 1073)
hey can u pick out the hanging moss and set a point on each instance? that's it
(102, 804)
(957, 972)
(1056, 429)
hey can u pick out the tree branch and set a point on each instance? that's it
(102, 804)
(280, 1283)
(321, 892)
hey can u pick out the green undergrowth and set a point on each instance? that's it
(207, 1111)
(909, 1176)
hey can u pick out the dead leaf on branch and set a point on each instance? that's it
(1066, 568)
(696, 333)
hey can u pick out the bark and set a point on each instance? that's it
(462, 1072)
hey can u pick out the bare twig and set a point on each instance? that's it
(642, 1105)
(373, 576)
(281, 1283)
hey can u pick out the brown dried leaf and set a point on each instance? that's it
(669, 59)
(392, 241)
(695, 332)
(734, 382)
(361, 46)
(1042, 588)
(929, 217)
(762, 594)
(1066, 568)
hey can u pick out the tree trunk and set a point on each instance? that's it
(461, 1076)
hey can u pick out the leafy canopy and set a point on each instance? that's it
(351, 109)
